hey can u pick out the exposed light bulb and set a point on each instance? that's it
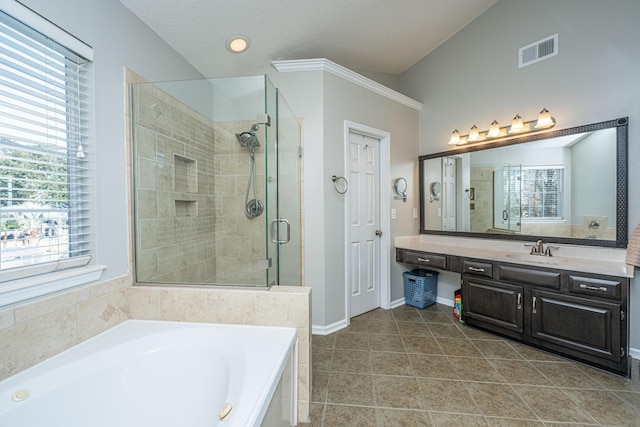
(455, 138)
(494, 129)
(517, 124)
(544, 119)
(474, 134)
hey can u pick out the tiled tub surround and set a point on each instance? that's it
(33, 332)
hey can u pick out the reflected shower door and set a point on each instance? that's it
(507, 198)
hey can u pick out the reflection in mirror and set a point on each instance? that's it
(566, 186)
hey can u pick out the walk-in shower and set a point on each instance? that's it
(216, 177)
(248, 139)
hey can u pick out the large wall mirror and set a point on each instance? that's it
(563, 186)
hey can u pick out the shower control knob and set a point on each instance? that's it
(378, 232)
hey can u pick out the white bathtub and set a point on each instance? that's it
(156, 373)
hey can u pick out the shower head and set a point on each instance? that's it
(249, 139)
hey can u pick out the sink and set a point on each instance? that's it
(534, 259)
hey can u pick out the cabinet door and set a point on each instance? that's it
(493, 305)
(588, 327)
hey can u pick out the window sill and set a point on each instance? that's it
(20, 290)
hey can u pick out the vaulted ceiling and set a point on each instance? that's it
(386, 36)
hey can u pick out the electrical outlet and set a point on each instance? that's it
(415, 212)
(394, 214)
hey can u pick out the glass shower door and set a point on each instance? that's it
(283, 191)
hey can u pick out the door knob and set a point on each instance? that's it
(378, 232)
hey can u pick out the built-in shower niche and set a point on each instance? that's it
(185, 184)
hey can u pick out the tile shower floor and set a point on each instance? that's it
(421, 367)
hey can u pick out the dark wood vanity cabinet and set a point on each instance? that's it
(562, 311)
(493, 305)
(424, 259)
(576, 314)
(582, 327)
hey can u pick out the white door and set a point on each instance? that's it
(364, 223)
(449, 194)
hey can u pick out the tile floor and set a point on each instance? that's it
(421, 367)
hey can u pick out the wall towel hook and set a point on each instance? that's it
(335, 180)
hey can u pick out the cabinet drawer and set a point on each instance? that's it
(548, 279)
(425, 259)
(482, 269)
(597, 287)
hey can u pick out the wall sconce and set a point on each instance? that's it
(518, 126)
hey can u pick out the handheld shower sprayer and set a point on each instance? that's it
(248, 139)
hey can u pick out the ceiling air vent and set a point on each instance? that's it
(536, 52)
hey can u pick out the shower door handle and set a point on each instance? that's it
(275, 235)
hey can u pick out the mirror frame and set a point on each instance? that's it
(621, 125)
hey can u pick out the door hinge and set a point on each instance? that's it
(300, 151)
(622, 315)
(622, 352)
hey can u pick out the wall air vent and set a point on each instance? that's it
(536, 52)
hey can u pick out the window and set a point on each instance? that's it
(542, 196)
(44, 182)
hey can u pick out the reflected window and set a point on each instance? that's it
(542, 195)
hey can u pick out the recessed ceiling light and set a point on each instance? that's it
(237, 43)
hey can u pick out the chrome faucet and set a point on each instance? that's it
(538, 248)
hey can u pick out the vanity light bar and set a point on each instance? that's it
(517, 128)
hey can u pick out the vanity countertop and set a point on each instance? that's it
(608, 261)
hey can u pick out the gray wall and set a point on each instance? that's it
(474, 78)
(324, 102)
(119, 39)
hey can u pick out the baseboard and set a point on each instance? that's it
(444, 301)
(397, 303)
(341, 324)
(329, 329)
(634, 352)
(439, 300)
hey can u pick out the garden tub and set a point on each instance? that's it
(158, 373)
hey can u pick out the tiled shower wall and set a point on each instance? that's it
(240, 241)
(174, 187)
(192, 177)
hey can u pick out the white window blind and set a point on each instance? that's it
(44, 182)
(542, 193)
